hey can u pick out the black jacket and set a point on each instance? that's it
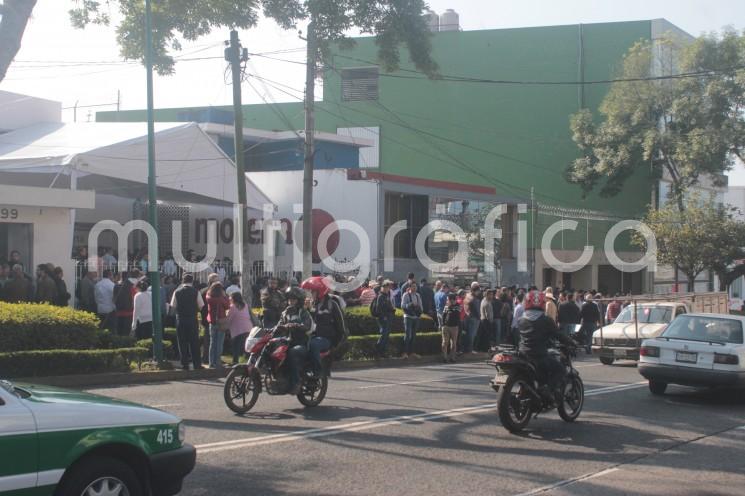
(590, 313)
(329, 321)
(451, 315)
(569, 313)
(384, 305)
(536, 336)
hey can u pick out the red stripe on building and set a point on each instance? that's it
(362, 174)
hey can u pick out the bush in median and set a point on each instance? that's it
(42, 363)
(363, 347)
(31, 326)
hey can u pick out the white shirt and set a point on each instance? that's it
(104, 295)
(169, 267)
(174, 303)
(143, 308)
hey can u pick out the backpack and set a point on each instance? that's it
(374, 310)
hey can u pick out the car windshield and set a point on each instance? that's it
(646, 314)
(706, 329)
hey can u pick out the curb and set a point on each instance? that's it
(131, 378)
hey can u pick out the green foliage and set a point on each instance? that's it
(363, 347)
(31, 326)
(394, 22)
(684, 126)
(43, 363)
(705, 235)
(169, 350)
(360, 322)
(108, 340)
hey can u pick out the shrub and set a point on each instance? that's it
(31, 326)
(108, 340)
(361, 323)
(169, 351)
(41, 363)
(363, 347)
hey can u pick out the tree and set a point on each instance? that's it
(14, 15)
(687, 125)
(703, 236)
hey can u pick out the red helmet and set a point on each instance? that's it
(317, 285)
(535, 300)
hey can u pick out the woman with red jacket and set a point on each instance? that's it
(217, 309)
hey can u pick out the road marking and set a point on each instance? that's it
(446, 379)
(167, 405)
(588, 365)
(371, 424)
(568, 482)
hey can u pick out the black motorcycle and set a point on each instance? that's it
(523, 393)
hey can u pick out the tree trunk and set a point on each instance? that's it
(15, 14)
(691, 283)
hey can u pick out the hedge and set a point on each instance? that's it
(41, 363)
(169, 350)
(31, 326)
(363, 347)
(360, 322)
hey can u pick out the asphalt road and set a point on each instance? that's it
(433, 430)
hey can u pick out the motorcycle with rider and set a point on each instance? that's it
(538, 376)
(293, 357)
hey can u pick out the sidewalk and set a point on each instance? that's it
(127, 378)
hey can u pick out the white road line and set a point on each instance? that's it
(370, 424)
(568, 482)
(167, 405)
(445, 379)
(588, 365)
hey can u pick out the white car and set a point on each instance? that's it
(697, 349)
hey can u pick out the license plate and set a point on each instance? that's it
(619, 353)
(500, 379)
(683, 356)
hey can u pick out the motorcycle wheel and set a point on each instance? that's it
(514, 405)
(241, 390)
(573, 400)
(313, 391)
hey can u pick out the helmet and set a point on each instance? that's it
(316, 284)
(296, 293)
(535, 300)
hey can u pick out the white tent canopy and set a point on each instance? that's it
(111, 158)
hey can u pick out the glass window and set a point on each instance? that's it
(414, 210)
(360, 84)
(646, 314)
(707, 329)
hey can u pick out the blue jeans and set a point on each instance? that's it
(295, 359)
(217, 340)
(410, 326)
(317, 345)
(496, 337)
(384, 326)
(472, 327)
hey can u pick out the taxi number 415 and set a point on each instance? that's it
(165, 436)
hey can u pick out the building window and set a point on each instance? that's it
(359, 84)
(414, 210)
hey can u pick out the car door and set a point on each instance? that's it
(19, 447)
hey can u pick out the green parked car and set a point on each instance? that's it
(67, 443)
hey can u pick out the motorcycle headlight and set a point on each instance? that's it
(250, 343)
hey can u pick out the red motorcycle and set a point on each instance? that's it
(267, 368)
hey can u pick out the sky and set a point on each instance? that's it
(61, 63)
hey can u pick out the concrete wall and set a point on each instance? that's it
(22, 110)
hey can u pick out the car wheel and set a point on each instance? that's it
(605, 360)
(657, 387)
(101, 476)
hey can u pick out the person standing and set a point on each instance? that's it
(499, 329)
(486, 329)
(272, 303)
(46, 290)
(441, 296)
(217, 308)
(516, 316)
(103, 294)
(410, 279)
(551, 311)
(19, 288)
(450, 327)
(211, 279)
(87, 300)
(428, 299)
(142, 313)
(614, 309)
(235, 285)
(239, 323)
(473, 316)
(590, 315)
(187, 302)
(62, 297)
(124, 303)
(4, 279)
(385, 312)
(569, 315)
(411, 303)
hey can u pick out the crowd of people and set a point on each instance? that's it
(17, 285)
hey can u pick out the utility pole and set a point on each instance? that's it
(152, 266)
(236, 55)
(310, 80)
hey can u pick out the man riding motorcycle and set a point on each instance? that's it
(328, 318)
(537, 332)
(298, 322)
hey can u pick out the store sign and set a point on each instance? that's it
(226, 230)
